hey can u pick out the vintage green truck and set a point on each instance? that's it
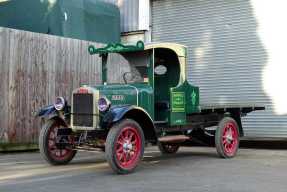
(155, 104)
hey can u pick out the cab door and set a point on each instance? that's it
(166, 76)
(177, 113)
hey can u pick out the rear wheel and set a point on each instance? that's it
(125, 146)
(168, 148)
(47, 144)
(227, 138)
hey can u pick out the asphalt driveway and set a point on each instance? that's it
(191, 169)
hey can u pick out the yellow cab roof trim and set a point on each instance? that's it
(179, 49)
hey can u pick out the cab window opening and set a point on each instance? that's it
(131, 67)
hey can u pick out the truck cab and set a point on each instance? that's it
(155, 80)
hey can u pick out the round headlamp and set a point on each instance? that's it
(59, 103)
(103, 104)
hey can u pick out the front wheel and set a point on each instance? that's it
(47, 144)
(125, 146)
(227, 138)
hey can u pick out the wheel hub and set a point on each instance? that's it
(229, 137)
(127, 146)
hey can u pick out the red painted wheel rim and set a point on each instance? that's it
(230, 139)
(56, 153)
(128, 147)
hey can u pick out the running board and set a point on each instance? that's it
(160, 122)
(90, 149)
(173, 138)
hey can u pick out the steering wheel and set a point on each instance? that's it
(125, 77)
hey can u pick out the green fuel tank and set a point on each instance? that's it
(91, 20)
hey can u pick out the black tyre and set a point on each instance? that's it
(227, 138)
(47, 144)
(168, 148)
(125, 146)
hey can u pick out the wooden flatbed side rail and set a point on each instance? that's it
(227, 108)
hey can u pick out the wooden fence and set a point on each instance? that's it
(34, 69)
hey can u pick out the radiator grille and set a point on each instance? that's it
(83, 110)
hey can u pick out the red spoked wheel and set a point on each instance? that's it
(227, 138)
(47, 144)
(125, 146)
(128, 147)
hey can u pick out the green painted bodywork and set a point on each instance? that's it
(91, 20)
(116, 48)
(138, 94)
(184, 100)
(167, 98)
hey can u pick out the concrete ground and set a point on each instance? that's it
(191, 169)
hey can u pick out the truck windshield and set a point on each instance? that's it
(129, 67)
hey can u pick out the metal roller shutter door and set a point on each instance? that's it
(226, 55)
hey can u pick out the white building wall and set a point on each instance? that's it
(236, 54)
(135, 14)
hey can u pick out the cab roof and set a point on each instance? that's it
(179, 49)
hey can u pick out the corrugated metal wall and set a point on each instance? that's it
(129, 14)
(227, 57)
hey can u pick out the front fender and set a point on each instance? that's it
(115, 114)
(138, 114)
(47, 111)
(50, 112)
